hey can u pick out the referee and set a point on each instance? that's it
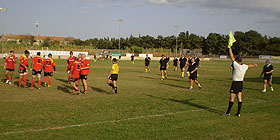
(239, 70)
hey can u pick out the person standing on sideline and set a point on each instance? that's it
(147, 63)
(238, 73)
(163, 64)
(84, 72)
(9, 67)
(175, 63)
(182, 62)
(132, 58)
(267, 71)
(113, 76)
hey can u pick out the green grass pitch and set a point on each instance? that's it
(145, 108)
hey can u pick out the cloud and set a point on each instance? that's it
(269, 8)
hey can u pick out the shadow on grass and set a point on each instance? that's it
(100, 90)
(62, 80)
(218, 80)
(64, 88)
(176, 86)
(275, 80)
(188, 102)
(146, 77)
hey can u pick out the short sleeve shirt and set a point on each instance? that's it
(239, 71)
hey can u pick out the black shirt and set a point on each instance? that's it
(163, 62)
(192, 67)
(132, 57)
(147, 60)
(267, 68)
(175, 62)
(197, 60)
(190, 61)
(183, 61)
(168, 59)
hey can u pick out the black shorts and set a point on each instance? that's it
(193, 76)
(176, 65)
(147, 64)
(74, 79)
(83, 77)
(162, 67)
(34, 72)
(21, 71)
(48, 74)
(113, 77)
(182, 67)
(10, 70)
(267, 77)
(236, 87)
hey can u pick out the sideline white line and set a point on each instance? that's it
(115, 121)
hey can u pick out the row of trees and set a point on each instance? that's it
(249, 43)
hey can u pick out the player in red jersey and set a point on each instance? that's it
(49, 70)
(36, 67)
(84, 72)
(75, 74)
(9, 67)
(70, 61)
(79, 61)
(23, 68)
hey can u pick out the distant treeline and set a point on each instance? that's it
(250, 43)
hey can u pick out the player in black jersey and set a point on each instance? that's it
(267, 71)
(182, 62)
(193, 74)
(163, 63)
(132, 58)
(189, 63)
(147, 63)
(175, 63)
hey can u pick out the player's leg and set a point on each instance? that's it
(182, 71)
(146, 68)
(7, 76)
(149, 69)
(264, 85)
(198, 84)
(33, 78)
(73, 84)
(79, 82)
(20, 78)
(68, 75)
(84, 81)
(231, 101)
(25, 78)
(39, 80)
(109, 82)
(162, 74)
(191, 84)
(45, 79)
(270, 84)
(49, 80)
(115, 86)
(11, 77)
(165, 74)
(239, 97)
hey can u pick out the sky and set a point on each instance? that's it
(87, 19)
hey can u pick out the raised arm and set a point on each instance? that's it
(231, 54)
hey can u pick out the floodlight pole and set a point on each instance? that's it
(176, 27)
(3, 30)
(37, 30)
(120, 20)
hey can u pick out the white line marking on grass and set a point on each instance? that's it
(115, 121)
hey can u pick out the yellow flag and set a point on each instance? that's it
(231, 39)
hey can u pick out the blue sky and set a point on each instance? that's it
(86, 19)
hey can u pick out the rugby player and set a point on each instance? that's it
(163, 64)
(36, 67)
(147, 63)
(113, 76)
(49, 70)
(23, 68)
(75, 70)
(70, 61)
(84, 72)
(193, 74)
(9, 67)
(175, 63)
(267, 72)
(182, 62)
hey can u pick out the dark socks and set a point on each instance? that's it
(111, 85)
(229, 107)
(239, 107)
(116, 90)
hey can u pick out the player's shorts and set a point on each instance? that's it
(147, 64)
(162, 67)
(176, 65)
(34, 72)
(10, 70)
(83, 77)
(236, 87)
(267, 77)
(21, 71)
(68, 70)
(113, 77)
(48, 74)
(193, 76)
(182, 67)
(74, 79)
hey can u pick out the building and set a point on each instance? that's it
(37, 40)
